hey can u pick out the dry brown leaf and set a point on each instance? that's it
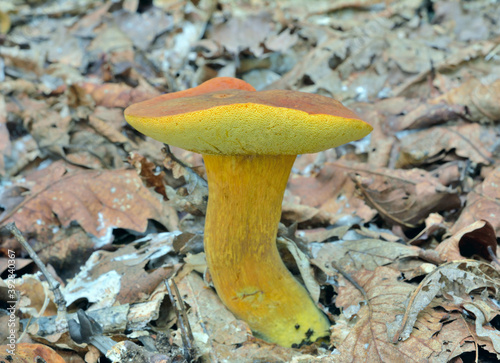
(66, 49)
(109, 39)
(469, 141)
(98, 200)
(213, 325)
(404, 197)
(244, 32)
(482, 100)
(352, 256)
(193, 196)
(36, 298)
(427, 115)
(328, 196)
(143, 28)
(125, 276)
(483, 315)
(477, 239)
(148, 173)
(106, 130)
(282, 42)
(26, 62)
(365, 338)
(455, 281)
(118, 94)
(304, 266)
(410, 55)
(483, 202)
(49, 128)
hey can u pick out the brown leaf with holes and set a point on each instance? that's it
(147, 172)
(98, 200)
(456, 282)
(404, 197)
(363, 336)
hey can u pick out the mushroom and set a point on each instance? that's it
(249, 141)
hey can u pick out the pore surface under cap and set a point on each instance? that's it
(236, 122)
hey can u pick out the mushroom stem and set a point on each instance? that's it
(244, 209)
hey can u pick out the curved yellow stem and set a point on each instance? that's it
(244, 209)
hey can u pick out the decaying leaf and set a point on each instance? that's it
(304, 267)
(127, 275)
(327, 197)
(482, 99)
(193, 197)
(98, 200)
(361, 254)
(471, 141)
(210, 334)
(477, 239)
(424, 74)
(404, 197)
(483, 203)
(455, 281)
(366, 338)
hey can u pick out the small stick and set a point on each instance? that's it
(183, 311)
(61, 321)
(186, 337)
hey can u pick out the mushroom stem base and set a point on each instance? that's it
(244, 209)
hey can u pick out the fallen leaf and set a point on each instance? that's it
(240, 33)
(128, 275)
(483, 202)
(326, 197)
(404, 197)
(470, 141)
(367, 254)
(477, 239)
(481, 99)
(118, 94)
(98, 200)
(367, 337)
(143, 28)
(210, 333)
(455, 281)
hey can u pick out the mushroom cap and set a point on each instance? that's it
(230, 118)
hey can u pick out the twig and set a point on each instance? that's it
(61, 321)
(182, 321)
(183, 311)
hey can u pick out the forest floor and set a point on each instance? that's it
(396, 233)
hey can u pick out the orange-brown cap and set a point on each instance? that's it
(227, 116)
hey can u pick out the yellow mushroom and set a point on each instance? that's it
(249, 141)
